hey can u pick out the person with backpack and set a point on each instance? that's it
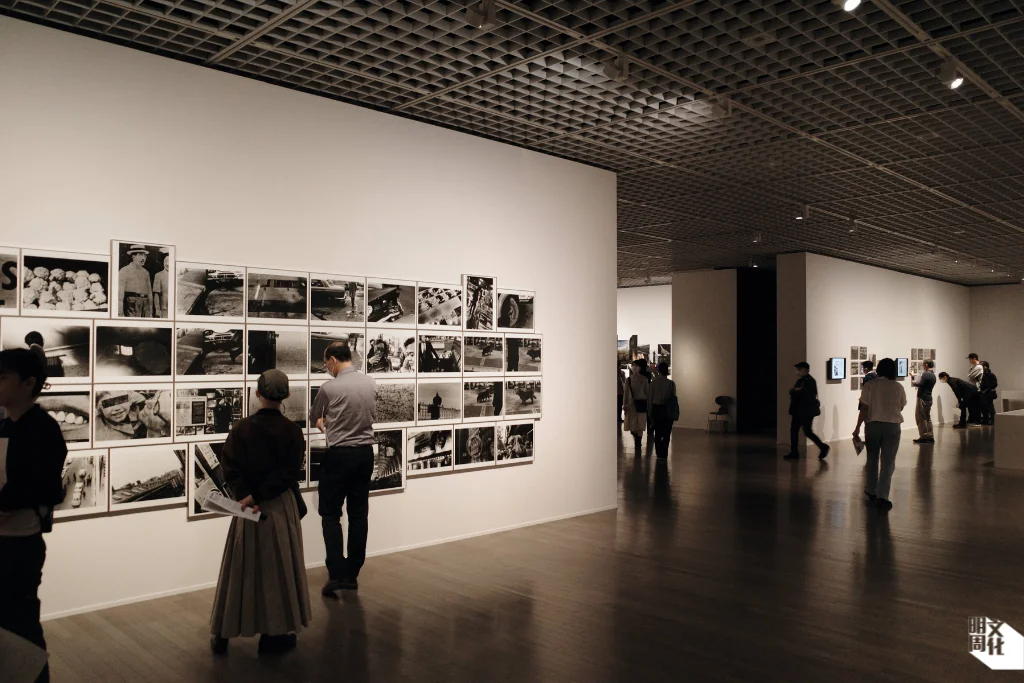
(987, 389)
(30, 487)
(804, 407)
(664, 409)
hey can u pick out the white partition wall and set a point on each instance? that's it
(843, 304)
(645, 312)
(997, 332)
(104, 142)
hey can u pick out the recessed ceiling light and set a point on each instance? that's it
(948, 74)
(848, 5)
(482, 15)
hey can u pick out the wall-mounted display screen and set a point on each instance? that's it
(836, 368)
(901, 367)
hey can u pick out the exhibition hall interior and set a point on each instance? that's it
(412, 235)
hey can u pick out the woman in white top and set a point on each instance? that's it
(882, 402)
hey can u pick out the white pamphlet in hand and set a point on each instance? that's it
(219, 503)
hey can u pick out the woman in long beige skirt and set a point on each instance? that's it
(262, 586)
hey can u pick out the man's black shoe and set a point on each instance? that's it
(791, 456)
(349, 584)
(824, 452)
(331, 588)
(218, 646)
(959, 426)
(883, 504)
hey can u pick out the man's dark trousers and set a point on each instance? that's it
(21, 572)
(805, 423)
(345, 476)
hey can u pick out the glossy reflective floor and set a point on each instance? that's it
(724, 564)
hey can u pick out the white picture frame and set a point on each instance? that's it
(439, 354)
(390, 302)
(123, 271)
(276, 297)
(476, 410)
(138, 473)
(522, 449)
(97, 272)
(93, 496)
(217, 289)
(524, 398)
(144, 417)
(67, 344)
(330, 300)
(123, 347)
(475, 446)
(429, 451)
(401, 353)
(516, 311)
(206, 353)
(525, 346)
(474, 306)
(287, 351)
(449, 391)
(321, 337)
(483, 354)
(395, 404)
(389, 467)
(438, 306)
(72, 406)
(190, 425)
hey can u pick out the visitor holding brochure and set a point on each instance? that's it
(262, 586)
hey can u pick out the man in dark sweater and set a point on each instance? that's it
(966, 395)
(30, 485)
(804, 407)
(925, 383)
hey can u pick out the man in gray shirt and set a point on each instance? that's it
(344, 411)
(924, 385)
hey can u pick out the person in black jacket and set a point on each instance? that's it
(966, 396)
(804, 407)
(987, 395)
(30, 486)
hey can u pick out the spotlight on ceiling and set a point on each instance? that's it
(482, 15)
(757, 238)
(805, 213)
(949, 76)
(618, 68)
(848, 5)
(853, 226)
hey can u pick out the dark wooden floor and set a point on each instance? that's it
(726, 564)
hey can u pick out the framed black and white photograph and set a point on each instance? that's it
(474, 447)
(440, 354)
(478, 310)
(523, 398)
(133, 351)
(207, 412)
(855, 369)
(483, 353)
(438, 305)
(864, 353)
(483, 400)
(281, 295)
(523, 355)
(295, 407)
(205, 476)
(438, 401)
(206, 291)
(337, 299)
(390, 351)
(144, 285)
(320, 339)
(65, 344)
(317, 451)
(147, 476)
(71, 406)
(855, 383)
(915, 354)
(388, 461)
(209, 351)
(132, 415)
(931, 355)
(77, 285)
(84, 484)
(854, 353)
(10, 285)
(665, 355)
(277, 348)
(429, 451)
(390, 302)
(515, 442)
(396, 403)
(515, 310)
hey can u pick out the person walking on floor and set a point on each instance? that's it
(974, 375)
(620, 383)
(344, 412)
(664, 409)
(868, 368)
(883, 401)
(923, 413)
(262, 585)
(966, 395)
(804, 407)
(30, 486)
(635, 397)
(987, 395)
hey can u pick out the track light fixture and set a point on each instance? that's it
(483, 15)
(805, 213)
(618, 68)
(757, 238)
(948, 75)
(848, 5)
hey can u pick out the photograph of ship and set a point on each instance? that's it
(84, 483)
(210, 291)
(439, 305)
(391, 302)
(339, 299)
(277, 294)
(64, 342)
(147, 476)
(209, 351)
(484, 353)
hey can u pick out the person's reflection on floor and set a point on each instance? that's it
(662, 496)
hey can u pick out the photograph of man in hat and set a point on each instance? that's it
(160, 292)
(135, 285)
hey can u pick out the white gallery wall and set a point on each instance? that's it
(703, 342)
(890, 313)
(997, 332)
(100, 141)
(645, 312)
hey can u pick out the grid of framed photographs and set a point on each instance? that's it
(152, 360)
